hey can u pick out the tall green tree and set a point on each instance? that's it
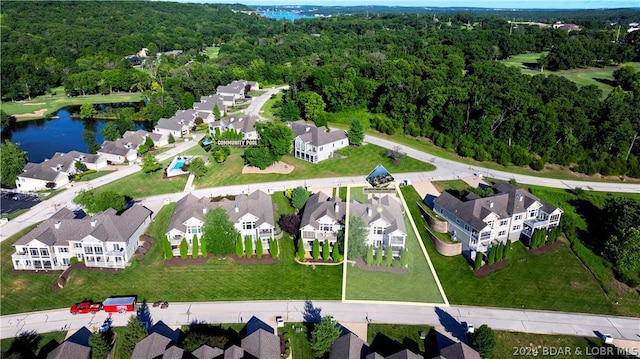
(370, 256)
(259, 248)
(248, 246)
(326, 251)
(276, 137)
(110, 131)
(299, 197)
(624, 250)
(195, 248)
(388, 258)
(198, 168)
(379, 256)
(87, 111)
(314, 106)
(150, 163)
(357, 236)
(184, 248)
(356, 132)
(168, 253)
(315, 249)
(13, 162)
(483, 339)
(100, 344)
(323, 335)
(219, 232)
(239, 246)
(132, 333)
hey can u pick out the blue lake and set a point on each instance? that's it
(63, 133)
(280, 15)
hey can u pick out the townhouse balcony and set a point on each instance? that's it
(330, 236)
(265, 233)
(20, 255)
(536, 223)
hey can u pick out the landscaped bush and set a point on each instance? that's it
(396, 264)
(500, 252)
(478, 262)
(301, 252)
(248, 246)
(388, 260)
(239, 246)
(492, 256)
(203, 249)
(195, 250)
(325, 251)
(171, 139)
(507, 250)
(183, 248)
(73, 260)
(259, 248)
(273, 248)
(166, 246)
(335, 254)
(404, 258)
(315, 250)
(370, 256)
(379, 256)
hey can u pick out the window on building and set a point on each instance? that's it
(490, 223)
(308, 234)
(65, 261)
(516, 227)
(118, 259)
(98, 259)
(44, 252)
(466, 227)
(194, 229)
(248, 225)
(88, 250)
(378, 230)
(63, 250)
(554, 218)
(504, 222)
(532, 213)
(116, 246)
(518, 217)
(326, 227)
(502, 233)
(77, 245)
(98, 250)
(33, 252)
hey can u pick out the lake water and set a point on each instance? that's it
(42, 138)
(280, 15)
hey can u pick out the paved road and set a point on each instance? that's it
(450, 318)
(258, 102)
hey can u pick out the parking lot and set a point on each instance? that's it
(12, 201)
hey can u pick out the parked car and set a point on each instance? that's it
(606, 338)
(85, 307)
(279, 322)
(106, 325)
(469, 328)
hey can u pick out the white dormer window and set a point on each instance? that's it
(533, 213)
(326, 227)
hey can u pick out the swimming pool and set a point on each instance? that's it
(178, 165)
(175, 167)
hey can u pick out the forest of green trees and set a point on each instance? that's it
(414, 74)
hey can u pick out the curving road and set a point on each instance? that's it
(449, 318)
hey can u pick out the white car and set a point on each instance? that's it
(470, 329)
(279, 322)
(606, 338)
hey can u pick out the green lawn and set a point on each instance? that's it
(212, 52)
(527, 63)
(268, 109)
(218, 279)
(41, 342)
(528, 282)
(94, 175)
(15, 214)
(59, 100)
(508, 342)
(387, 286)
(300, 346)
(388, 339)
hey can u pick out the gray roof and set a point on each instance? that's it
(107, 227)
(405, 354)
(114, 148)
(161, 328)
(459, 351)
(262, 345)
(63, 213)
(318, 205)
(244, 124)
(175, 123)
(207, 352)
(257, 203)
(173, 353)
(41, 171)
(235, 87)
(68, 350)
(508, 202)
(138, 137)
(83, 157)
(49, 169)
(374, 356)
(207, 103)
(315, 136)
(234, 352)
(349, 346)
(386, 208)
(151, 347)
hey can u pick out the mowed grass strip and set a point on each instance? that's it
(218, 279)
(417, 284)
(556, 280)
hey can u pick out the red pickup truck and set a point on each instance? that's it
(85, 307)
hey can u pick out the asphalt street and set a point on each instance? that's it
(450, 318)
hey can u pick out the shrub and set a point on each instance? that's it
(396, 264)
(483, 340)
(491, 256)
(507, 250)
(335, 254)
(404, 258)
(184, 248)
(478, 262)
(171, 139)
(500, 252)
(195, 249)
(73, 260)
(315, 250)
(301, 252)
(370, 256)
(273, 248)
(286, 335)
(326, 251)
(379, 256)
(239, 247)
(287, 351)
(259, 249)
(388, 260)
(248, 246)
(203, 249)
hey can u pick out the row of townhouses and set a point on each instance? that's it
(481, 222)
(105, 240)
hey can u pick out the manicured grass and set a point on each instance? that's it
(268, 110)
(300, 346)
(358, 161)
(345, 117)
(15, 214)
(94, 175)
(281, 205)
(212, 52)
(60, 100)
(388, 286)
(388, 339)
(44, 342)
(140, 184)
(218, 279)
(527, 282)
(598, 76)
(507, 343)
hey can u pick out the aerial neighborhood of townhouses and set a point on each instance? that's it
(384, 249)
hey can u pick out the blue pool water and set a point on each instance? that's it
(178, 164)
(208, 141)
